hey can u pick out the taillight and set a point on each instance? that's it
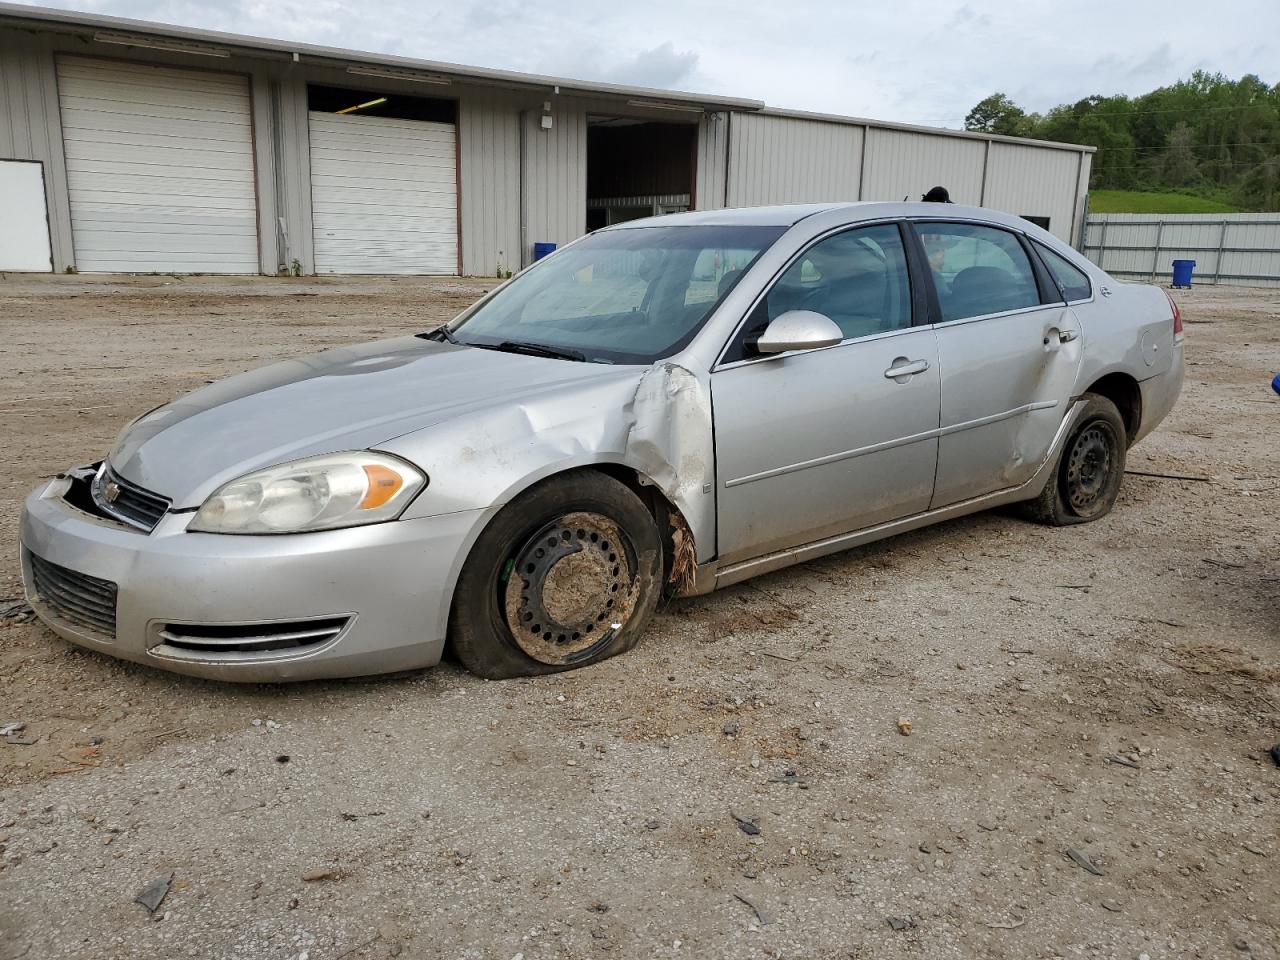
(1177, 317)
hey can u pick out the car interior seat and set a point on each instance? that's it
(979, 290)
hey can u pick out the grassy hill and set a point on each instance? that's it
(1142, 201)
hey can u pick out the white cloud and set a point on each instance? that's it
(661, 66)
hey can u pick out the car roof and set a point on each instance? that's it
(780, 215)
(788, 214)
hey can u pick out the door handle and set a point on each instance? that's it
(1064, 336)
(904, 368)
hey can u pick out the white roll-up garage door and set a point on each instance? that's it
(384, 195)
(159, 167)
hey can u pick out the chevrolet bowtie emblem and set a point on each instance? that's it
(111, 491)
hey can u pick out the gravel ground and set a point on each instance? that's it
(736, 787)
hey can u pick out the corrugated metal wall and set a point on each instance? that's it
(1082, 201)
(788, 159)
(489, 143)
(792, 160)
(284, 172)
(555, 176)
(1032, 181)
(1237, 248)
(31, 129)
(766, 158)
(713, 153)
(905, 164)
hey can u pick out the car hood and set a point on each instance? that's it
(352, 398)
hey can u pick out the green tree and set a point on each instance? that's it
(997, 114)
(1179, 166)
(1207, 134)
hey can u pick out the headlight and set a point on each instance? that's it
(318, 493)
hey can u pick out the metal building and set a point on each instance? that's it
(128, 146)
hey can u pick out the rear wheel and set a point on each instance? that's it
(1087, 479)
(566, 575)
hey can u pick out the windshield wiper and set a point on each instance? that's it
(439, 333)
(508, 346)
(538, 350)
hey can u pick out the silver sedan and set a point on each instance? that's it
(670, 405)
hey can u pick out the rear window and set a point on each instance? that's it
(977, 270)
(1073, 281)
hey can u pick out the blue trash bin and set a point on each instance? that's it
(1182, 270)
(542, 248)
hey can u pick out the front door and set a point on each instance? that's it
(816, 443)
(1009, 359)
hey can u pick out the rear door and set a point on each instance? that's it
(1009, 348)
(816, 443)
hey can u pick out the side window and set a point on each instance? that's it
(1073, 281)
(857, 278)
(715, 272)
(977, 270)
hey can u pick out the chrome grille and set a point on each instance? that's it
(75, 597)
(125, 501)
(248, 638)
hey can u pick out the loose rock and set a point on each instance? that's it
(321, 873)
(153, 894)
(746, 826)
(1083, 861)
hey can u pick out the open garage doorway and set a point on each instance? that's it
(638, 168)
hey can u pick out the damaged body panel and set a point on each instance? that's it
(671, 404)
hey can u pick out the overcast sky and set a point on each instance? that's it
(900, 60)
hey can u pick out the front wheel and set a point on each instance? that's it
(1086, 481)
(566, 575)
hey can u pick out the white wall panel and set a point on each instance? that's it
(775, 159)
(906, 164)
(489, 140)
(712, 162)
(24, 228)
(159, 164)
(384, 195)
(555, 184)
(1032, 181)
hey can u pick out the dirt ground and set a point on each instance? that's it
(1110, 689)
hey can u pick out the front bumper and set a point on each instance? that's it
(391, 582)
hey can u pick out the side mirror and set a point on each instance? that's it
(798, 330)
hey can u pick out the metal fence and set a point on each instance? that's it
(1236, 248)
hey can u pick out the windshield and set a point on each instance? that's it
(619, 296)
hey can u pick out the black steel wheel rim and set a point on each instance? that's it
(569, 588)
(1089, 466)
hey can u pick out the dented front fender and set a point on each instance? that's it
(655, 420)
